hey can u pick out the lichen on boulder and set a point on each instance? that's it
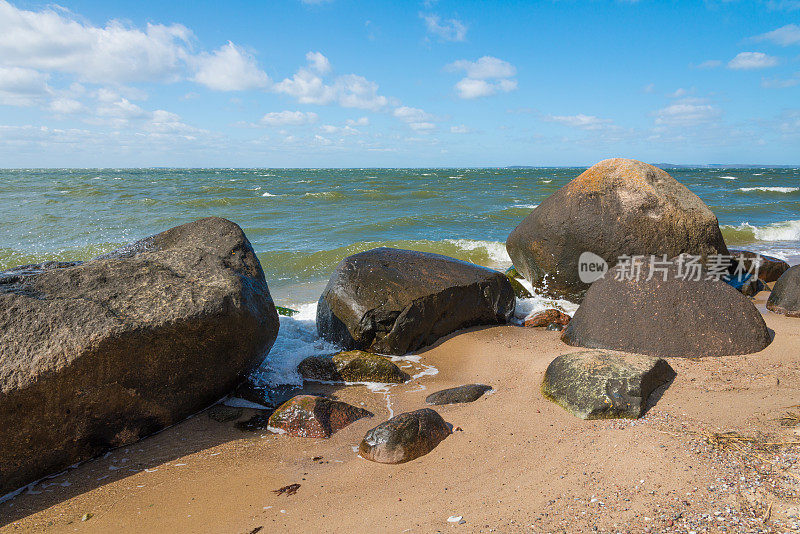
(352, 366)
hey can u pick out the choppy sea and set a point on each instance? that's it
(301, 222)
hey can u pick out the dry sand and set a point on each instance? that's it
(516, 462)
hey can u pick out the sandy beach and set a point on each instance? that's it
(514, 463)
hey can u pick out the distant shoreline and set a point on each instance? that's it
(511, 167)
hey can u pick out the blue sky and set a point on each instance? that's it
(341, 83)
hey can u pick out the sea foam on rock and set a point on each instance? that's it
(666, 317)
(97, 355)
(393, 301)
(785, 296)
(602, 385)
(616, 207)
(352, 366)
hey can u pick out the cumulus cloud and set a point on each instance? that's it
(52, 41)
(229, 68)
(350, 90)
(687, 112)
(285, 118)
(460, 129)
(709, 64)
(417, 119)
(752, 60)
(484, 77)
(361, 121)
(584, 122)
(446, 30)
(783, 36)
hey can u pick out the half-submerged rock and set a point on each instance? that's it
(97, 355)
(546, 318)
(352, 366)
(785, 296)
(617, 207)
(311, 416)
(459, 394)
(770, 268)
(666, 317)
(404, 437)
(602, 385)
(393, 301)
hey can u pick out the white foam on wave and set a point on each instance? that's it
(267, 194)
(494, 249)
(780, 231)
(538, 303)
(297, 340)
(771, 189)
(528, 206)
(728, 178)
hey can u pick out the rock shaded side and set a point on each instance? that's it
(460, 394)
(311, 416)
(601, 385)
(546, 318)
(404, 437)
(785, 296)
(616, 207)
(352, 366)
(97, 355)
(769, 269)
(393, 301)
(672, 317)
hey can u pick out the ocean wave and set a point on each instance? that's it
(728, 178)
(770, 189)
(325, 195)
(267, 194)
(747, 233)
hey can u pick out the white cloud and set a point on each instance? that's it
(485, 76)
(584, 122)
(469, 88)
(66, 106)
(229, 68)
(318, 62)
(709, 64)
(649, 88)
(52, 41)
(778, 83)
(784, 36)
(460, 129)
(349, 90)
(293, 118)
(752, 60)
(408, 114)
(422, 126)
(484, 68)
(361, 121)
(449, 30)
(687, 112)
(21, 87)
(679, 93)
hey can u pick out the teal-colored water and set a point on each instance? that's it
(303, 221)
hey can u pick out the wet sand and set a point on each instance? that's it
(515, 463)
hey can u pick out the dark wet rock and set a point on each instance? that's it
(672, 317)
(352, 366)
(617, 207)
(514, 279)
(466, 393)
(394, 301)
(256, 423)
(404, 437)
(770, 268)
(753, 286)
(546, 318)
(601, 385)
(311, 416)
(223, 414)
(785, 296)
(555, 327)
(100, 354)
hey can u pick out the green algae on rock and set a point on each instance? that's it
(352, 366)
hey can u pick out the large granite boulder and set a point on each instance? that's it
(311, 416)
(404, 437)
(352, 366)
(601, 385)
(668, 315)
(617, 207)
(770, 268)
(393, 301)
(785, 296)
(97, 355)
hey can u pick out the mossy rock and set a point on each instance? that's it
(601, 385)
(514, 279)
(352, 366)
